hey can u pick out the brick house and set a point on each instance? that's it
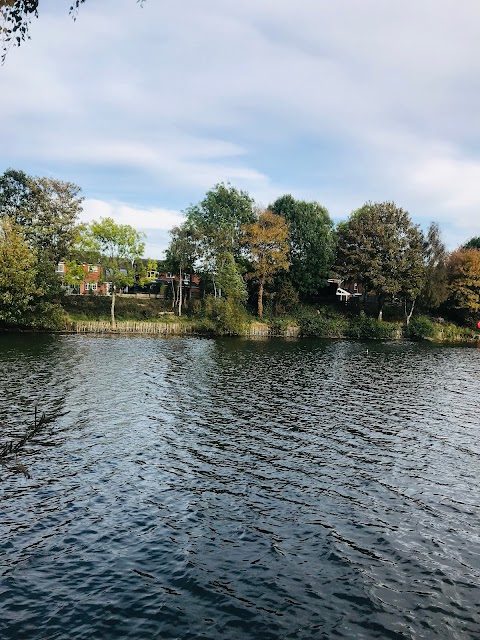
(92, 283)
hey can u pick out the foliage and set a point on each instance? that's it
(322, 323)
(434, 291)
(286, 296)
(45, 315)
(126, 308)
(421, 328)
(117, 246)
(473, 243)
(464, 283)
(181, 255)
(367, 328)
(228, 316)
(220, 217)
(266, 241)
(16, 16)
(142, 269)
(380, 247)
(18, 264)
(217, 223)
(46, 209)
(311, 242)
(230, 281)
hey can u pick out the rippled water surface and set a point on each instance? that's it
(193, 488)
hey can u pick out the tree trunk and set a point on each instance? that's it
(408, 316)
(380, 309)
(180, 294)
(174, 297)
(112, 308)
(260, 298)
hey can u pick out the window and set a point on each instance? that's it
(92, 268)
(93, 286)
(86, 286)
(61, 267)
(355, 286)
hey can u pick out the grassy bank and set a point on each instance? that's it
(90, 314)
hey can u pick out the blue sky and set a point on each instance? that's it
(341, 102)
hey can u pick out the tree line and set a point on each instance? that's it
(266, 259)
(289, 250)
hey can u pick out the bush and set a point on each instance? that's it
(279, 326)
(368, 328)
(421, 328)
(228, 317)
(45, 316)
(324, 323)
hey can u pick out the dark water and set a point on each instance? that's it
(239, 489)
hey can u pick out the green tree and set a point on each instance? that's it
(312, 242)
(473, 243)
(218, 220)
(142, 270)
(47, 211)
(434, 291)
(117, 247)
(381, 247)
(464, 283)
(266, 242)
(17, 273)
(181, 255)
(230, 280)
(74, 274)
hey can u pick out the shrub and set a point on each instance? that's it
(322, 323)
(368, 328)
(421, 328)
(228, 317)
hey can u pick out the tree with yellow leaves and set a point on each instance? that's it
(266, 241)
(464, 282)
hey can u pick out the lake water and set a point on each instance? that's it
(197, 488)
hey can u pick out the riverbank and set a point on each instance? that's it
(421, 329)
(91, 314)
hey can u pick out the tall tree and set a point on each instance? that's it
(473, 243)
(17, 273)
(311, 240)
(434, 290)
(464, 283)
(381, 247)
(230, 280)
(181, 255)
(266, 242)
(117, 247)
(219, 217)
(47, 211)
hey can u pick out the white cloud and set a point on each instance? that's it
(141, 218)
(262, 94)
(154, 222)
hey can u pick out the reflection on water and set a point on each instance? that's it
(240, 489)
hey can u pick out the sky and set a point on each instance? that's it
(343, 102)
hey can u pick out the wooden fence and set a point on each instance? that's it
(126, 326)
(256, 329)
